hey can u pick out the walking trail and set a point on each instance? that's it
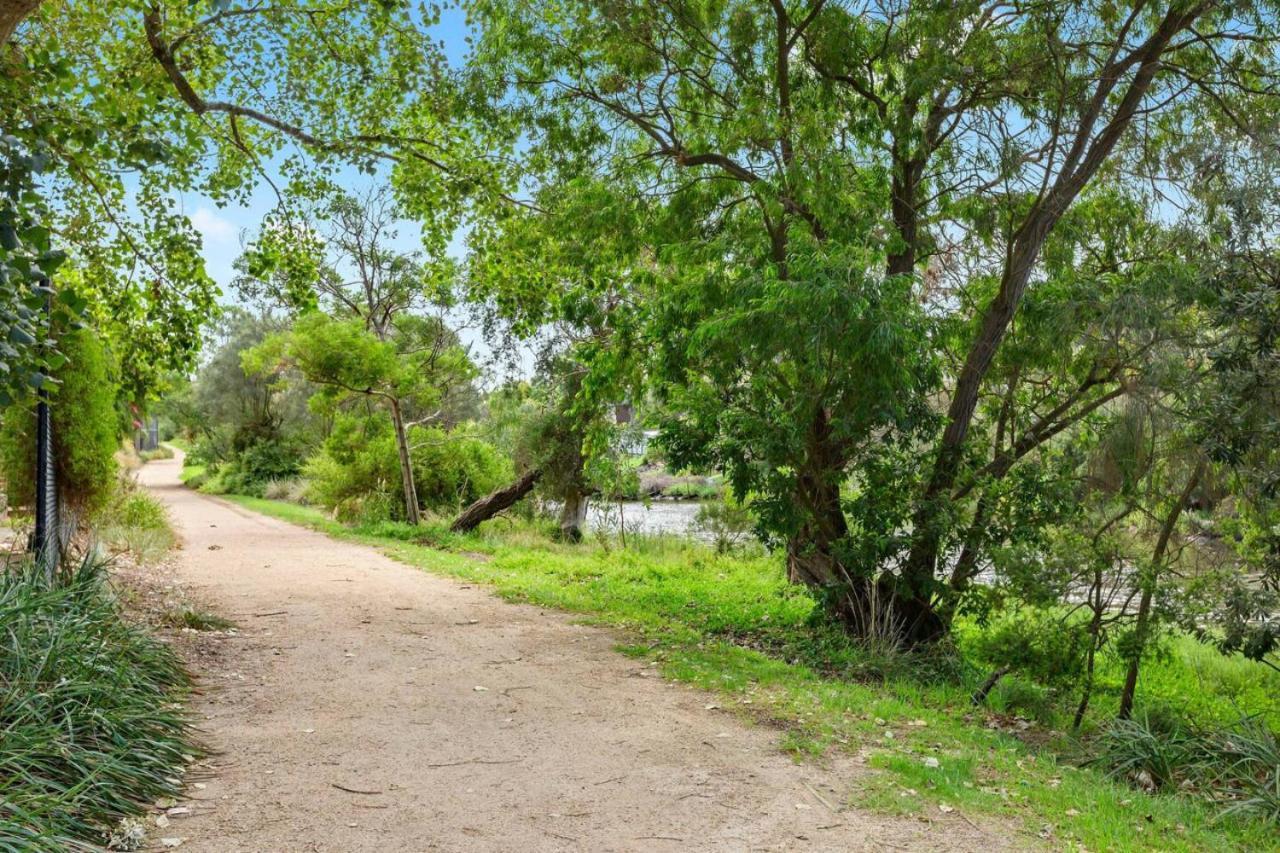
(364, 705)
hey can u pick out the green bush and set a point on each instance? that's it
(1038, 644)
(86, 430)
(88, 707)
(255, 465)
(357, 472)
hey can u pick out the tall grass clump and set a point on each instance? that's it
(136, 522)
(1237, 767)
(90, 711)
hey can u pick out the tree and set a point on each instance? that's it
(116, 108)
(414, 366)
(815, 142)
(412, 360)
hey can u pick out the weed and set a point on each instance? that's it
(197, 620)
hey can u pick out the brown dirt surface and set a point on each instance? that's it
(364, 705)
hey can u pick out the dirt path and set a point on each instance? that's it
(461, 722)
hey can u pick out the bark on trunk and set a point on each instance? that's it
(406, 465)
(12, 13)
(1088, 150)
(573, 515)
(1143, 626)
(865, 606)
(904, 198)
(495, 502)
(984, 690)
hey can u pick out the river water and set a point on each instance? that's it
(659, 516)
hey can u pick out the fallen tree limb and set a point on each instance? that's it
(495, 502)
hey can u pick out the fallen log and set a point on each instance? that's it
(495, 502)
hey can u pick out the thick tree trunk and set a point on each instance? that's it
(867, 607)
(495, 502)
(1143, 626)
(903, 204)
(573, 515)
(12, 13)
(406, 465)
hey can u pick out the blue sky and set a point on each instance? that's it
(222, 229)
(225, 229)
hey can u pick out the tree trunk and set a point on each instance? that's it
(1143, 626)
(12, 13)
(984, 690)
(1095, 631)
(573, 515)
(406, 465)
(1089, 149)
(966, 567)
(903, 201)
(495, 502)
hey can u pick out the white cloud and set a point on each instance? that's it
(214, 228)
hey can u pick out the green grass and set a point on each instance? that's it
(731, 624)
(93, 729)
(193, 475)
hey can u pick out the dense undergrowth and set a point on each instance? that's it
(90, 710)
(730, 623)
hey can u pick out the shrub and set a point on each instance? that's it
(454, 469)
(357, 472)
(92, 731)
(252, 466)
(1236, 766)
(86, 430)
(726, 523)
(161, 452)
(294, 490)
(1038, 644)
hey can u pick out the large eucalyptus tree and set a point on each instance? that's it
(846, 206)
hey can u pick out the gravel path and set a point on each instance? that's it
(367, 706)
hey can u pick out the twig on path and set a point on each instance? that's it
(507, 690)
(613, 779)
(658, 838)
(371, 805)
(353, 790)
(971, 823)
(272, 613)
(476, 761)
(820, 798)
(565, 837)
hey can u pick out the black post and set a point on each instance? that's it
(45, 540)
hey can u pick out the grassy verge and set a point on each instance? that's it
(730, 624)
(93, 729)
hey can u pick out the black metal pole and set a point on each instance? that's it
(46, 533)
